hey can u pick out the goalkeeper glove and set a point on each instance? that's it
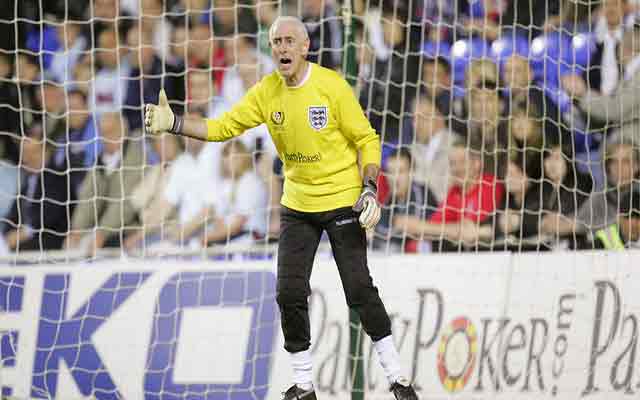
(160, 118)
(367, 205)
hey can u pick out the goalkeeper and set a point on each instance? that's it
(319, 130)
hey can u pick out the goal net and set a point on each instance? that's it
(508, 127)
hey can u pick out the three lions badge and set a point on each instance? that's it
(318, 117)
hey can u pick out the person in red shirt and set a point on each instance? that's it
(464, 215)
(473, 194)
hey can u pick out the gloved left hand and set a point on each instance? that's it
(367, 205)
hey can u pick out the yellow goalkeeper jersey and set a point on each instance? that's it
(317, 127)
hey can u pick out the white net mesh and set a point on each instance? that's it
(505, 124)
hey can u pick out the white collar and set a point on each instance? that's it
(304, 80)
(632, 68)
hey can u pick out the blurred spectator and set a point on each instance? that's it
(629, 218)
(517, 80)
(26, 101)
(325, 32)
(436, 82)
(105, 15)
(247, 66)
(102, 214)
(389, 91)
(148, 198)
(528, 17)
(178, 47)
(479, 72)
(432, 144)
(604, 72)
(83, 75)
(110, 85)
(266, 12)
(482, 113)
(154, 25)
(80, 143)
(564, 190)
(39, 216)
(9, 111)
(73, 47)
(406, 199)
(482, 17)
(188, 12)
(191, 190)
(202, 96)
(241, 205)
(522, 205)
(621, 109)
(230, 18)
(599, 214)
(148, 73)
(203, 51)
(526, 138)
(54, 107)
(464, 217)
(60, 44)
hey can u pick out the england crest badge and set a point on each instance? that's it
(318, 117)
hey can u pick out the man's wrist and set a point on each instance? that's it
(178, 124)
(371, 183)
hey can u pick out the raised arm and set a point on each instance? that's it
(243, 116)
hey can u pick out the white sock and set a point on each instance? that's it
(302, 371)
(389, 358)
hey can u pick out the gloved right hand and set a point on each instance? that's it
(160, 118)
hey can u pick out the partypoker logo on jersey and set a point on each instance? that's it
(318, 117)
(277, 117)
(457, 354)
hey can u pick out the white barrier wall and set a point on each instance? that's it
(495, 326)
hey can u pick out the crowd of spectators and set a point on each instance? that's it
(505, 124)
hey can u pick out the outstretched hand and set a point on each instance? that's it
(160, 118)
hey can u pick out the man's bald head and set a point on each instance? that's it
(289, 42)
(294, 22)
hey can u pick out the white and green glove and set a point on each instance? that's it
(160, 118)
(367, 205)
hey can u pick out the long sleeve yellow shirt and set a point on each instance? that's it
(318, 129)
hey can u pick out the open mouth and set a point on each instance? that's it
(285, 61)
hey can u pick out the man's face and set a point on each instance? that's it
(614, 11)
(621, 166)
(201, 44)
(435, 76)
(516, 180)
(485, 108)
(108, 52)
(111, 132)
(140, 48)
(555, 166)
(427, 121)
(78, 113)
(107, 9)
(464, 167)
(516, 72)
(200, 88)
(289, 48)
(399, 174)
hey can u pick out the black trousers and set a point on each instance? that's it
(299, 238)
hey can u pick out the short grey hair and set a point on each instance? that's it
(288, 19)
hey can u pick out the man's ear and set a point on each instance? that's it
(305, 48)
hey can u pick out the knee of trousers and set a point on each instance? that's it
(360, 296)
(292, 294)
